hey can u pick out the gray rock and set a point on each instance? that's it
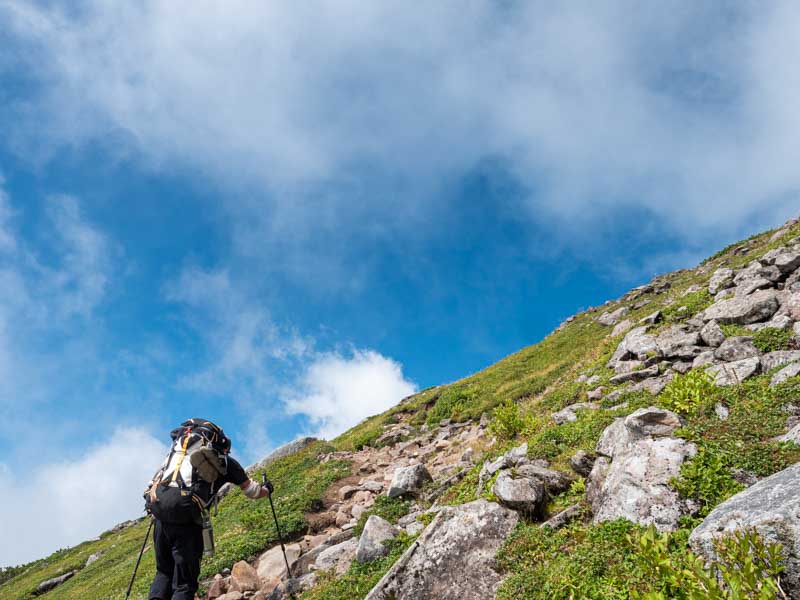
(554, 481)
(712, 334)
(93, 558)
(337, 558)
(637, 344)
(721, 411)
(612, 318)
(520, 493)
(720, 280)
(639, 375)
(704, 359)
(568, 414)
(627, 366)
(652, 318)
(674, 341)
(582, 463)
(510, 459)
(293, 587)
(595, 394)
(409, 480)
(759, 306)
(788, 261)
(736, 348)
(779, 358)
(733, 373)
(748, 286)
(371, 543)
(564, 517)
(792, 305)
(782, 322)
(652, 421)
(682, 367)
(53, 583)
(792, 370)
(453, 559)
(621, 327)
(792, 436)
(613, 439)
(286, 450)
(635, 485)
(746, 478)
(592, 380)
(772, 508)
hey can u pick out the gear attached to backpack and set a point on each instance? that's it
(184, 486)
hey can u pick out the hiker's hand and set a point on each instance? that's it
(267, 488)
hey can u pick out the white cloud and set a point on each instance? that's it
(685, 110)
(335, 392)
(63, 503)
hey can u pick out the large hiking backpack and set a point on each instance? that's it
(185, 485)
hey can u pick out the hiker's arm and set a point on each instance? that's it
(253, 490)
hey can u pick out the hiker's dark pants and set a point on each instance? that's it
(178, 550)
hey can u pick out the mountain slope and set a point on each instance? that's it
(519, 396)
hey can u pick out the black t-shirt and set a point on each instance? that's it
(235, 474)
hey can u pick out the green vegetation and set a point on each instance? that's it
(360, 578)
(688, 306)
(387, 508)
(507, 421)
(707, 479)
(771, 339)
(686, 394)
(242, 529)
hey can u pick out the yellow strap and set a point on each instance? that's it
(180, 460)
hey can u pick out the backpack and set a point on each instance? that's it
(184, 485)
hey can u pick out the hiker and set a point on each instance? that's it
(179, 497)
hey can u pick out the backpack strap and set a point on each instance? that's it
(177, 470)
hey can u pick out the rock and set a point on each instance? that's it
(759, 306)
(232, 595)
(282, 452)
(595, 394)
(635, 485)
(792, 436)
(637, 344)
(792, 370)
(50, 584)
(712, 334)
(720, 280)
(779, 358)
(782, 322)
(292, 588)
(376, 487)
(746, 478)
(337, 558)
(627, 366)
(92, 558)
(582, 462)
(453, 559)
(639, 375)
(736, 348)
(567, 414)
(521, 493)
(654, 385)
(217, 588)
(554, 481)
(564, 517)
(772, 508)
(704, 359)
(621, 327)
(347, 490)
(632, 478)
(270, 566)
(721, 411)
(787, 261)
(612, 318)
(371, 543)
(749, 286)
(409, 480)
(682, 367)
(592, 380)
(733, 373)
(244, 578)
(652, 318)
(674, 341)
(652, 421)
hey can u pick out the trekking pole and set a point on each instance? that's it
(139, 559)
(277, 527)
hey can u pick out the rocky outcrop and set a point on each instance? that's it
(286, 450)
(409, 480)
(524, 494)
(756, 307)
(614, 317)
(53, 583)
(371, 544)
(453, 559)
(772, 508)
(631, 477)
(733, 373)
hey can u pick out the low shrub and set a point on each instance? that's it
(707, 479)
(771, 339)
(688, 394)
(507, 420)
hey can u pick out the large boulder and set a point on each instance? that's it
(336, 558)
(244, 578)
(720, 280)
(525, 494)
(637, 344)
(271, 567)
(612, 318)
(409, 480)
(778, 358)
(678, 342)
(453, 559)
(792, 370)
(733, 373)
(712, 334)
(554, 481)
(50, 584)
(631, 479)
(756, 307)
(371, 543)
(771, 507)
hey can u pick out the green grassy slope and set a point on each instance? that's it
(519, 393)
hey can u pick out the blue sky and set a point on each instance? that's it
(286, 218)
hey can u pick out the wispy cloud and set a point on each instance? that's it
(686, 109)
